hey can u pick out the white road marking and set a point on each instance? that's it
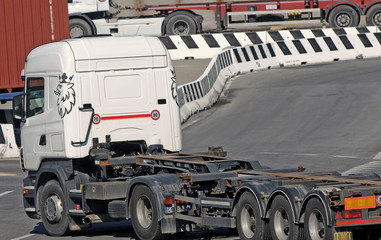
(307, 154)
(7, 174)
(5, 193)
(270, 153)
(378, 156)
(343, 156)
(23, 237)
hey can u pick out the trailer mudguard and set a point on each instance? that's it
(323, 198)
(159, 184)
(260, 191)
(86, 19)
(343, 2)
(369, 5)
(293, 194)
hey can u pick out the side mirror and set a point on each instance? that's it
(18, 107)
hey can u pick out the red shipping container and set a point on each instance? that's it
(26, 24)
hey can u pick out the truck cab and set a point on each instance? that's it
(82, 95)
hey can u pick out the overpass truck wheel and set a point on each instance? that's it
(343, 16)
(180, 23)
(373, 16)
(282, 220)
(54, 213)
(79, 28)
(315, 222)
(144, 214)
(249, 222)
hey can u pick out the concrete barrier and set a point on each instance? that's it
(207, 45)
(327, 46)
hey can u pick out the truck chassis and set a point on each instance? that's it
(168, 193)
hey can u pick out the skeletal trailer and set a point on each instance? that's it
(169, 193)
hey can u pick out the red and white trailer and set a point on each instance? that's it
(94, 16)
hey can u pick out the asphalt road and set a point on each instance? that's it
(324, 117)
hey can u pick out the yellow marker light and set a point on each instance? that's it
(26, 191)
(360, 202)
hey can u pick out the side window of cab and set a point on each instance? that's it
(34, 96)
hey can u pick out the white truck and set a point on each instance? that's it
(101, 137)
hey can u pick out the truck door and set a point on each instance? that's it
(34, 126)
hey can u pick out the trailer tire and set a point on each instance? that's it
(79, 28)
(180, 23)
(54, 213)
(144, 214)
(373, 16)
(315, 222)
(282, 220)
(249, 222)
(343, 16)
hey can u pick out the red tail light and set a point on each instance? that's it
(352, 214)
(168, 201)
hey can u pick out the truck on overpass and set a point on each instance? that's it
(153, 17)
(101, 141)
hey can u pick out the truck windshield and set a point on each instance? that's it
(35, 97)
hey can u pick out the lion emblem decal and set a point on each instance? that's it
(65, 94)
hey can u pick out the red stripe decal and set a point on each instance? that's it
(126, 116)
(356, 222)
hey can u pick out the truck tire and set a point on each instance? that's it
(54, 214)
(315, 222)
(180, 23)
(282, 222)
(144, 214)
(343, 16)
(249, 222)
(373, 16)
(79, 28)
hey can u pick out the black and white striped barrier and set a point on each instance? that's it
(204, 92)
(207, 45)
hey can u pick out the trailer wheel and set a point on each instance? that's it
(79, 28)
(315, 222)
(54, 214)
(249, 222)
(343, 16)
(373, 16)
(144, 214)
(282, 220)
(180, 23)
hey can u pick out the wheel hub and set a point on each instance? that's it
(377, 19)
(281, 224)
(343, 20)
(316, 226)
(144, 212)
(53, 208)
(249, 223)
(76, 32)
(181, 28)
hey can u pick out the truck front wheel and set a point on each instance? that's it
(343, 16)
(79, 28)
(180, 23)
(315, 222)
(144, 214)
(54, 214)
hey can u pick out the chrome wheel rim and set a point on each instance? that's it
(248, 221)
(281, 224)
(316, 225)
(144, 211)
(53, 208)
